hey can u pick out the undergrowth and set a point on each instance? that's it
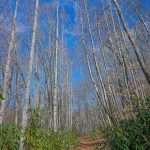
(133, 134)
(9, 137)
(37, 138)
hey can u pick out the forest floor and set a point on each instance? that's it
(86, 143)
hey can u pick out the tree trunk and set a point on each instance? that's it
(136, 49)
(98, 71)
(9, 59)
(92, 77)
(56, 71)
(27, 91)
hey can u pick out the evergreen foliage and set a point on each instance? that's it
(133, 134)
(36, 137)
(9, 137)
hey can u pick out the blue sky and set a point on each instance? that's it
(71, 39)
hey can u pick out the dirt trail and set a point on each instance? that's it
(86, 143)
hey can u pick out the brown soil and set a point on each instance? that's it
(86, 143)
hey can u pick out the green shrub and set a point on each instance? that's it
(67, 139)
(101, 133)
(9, 137)
(37, 138)
(133, 134)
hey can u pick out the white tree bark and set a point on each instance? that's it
(56, 71)
(103, 105)
(97, 67)
(27, 91)
(9, 59)
(17, 97)
(134, 45)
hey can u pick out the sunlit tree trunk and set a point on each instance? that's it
(17, 96)
(111, 91)
(134, 45)
(56, 71)
(9, 60)
(129, 60)
(70, 98)
(92, 77)
(97, 67)
(100, 113)
(36, 82)
(121, 55)
(27, 90)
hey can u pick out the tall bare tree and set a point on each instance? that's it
(56, 69)
(27, 90)
(9, 60)
(134, 45)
